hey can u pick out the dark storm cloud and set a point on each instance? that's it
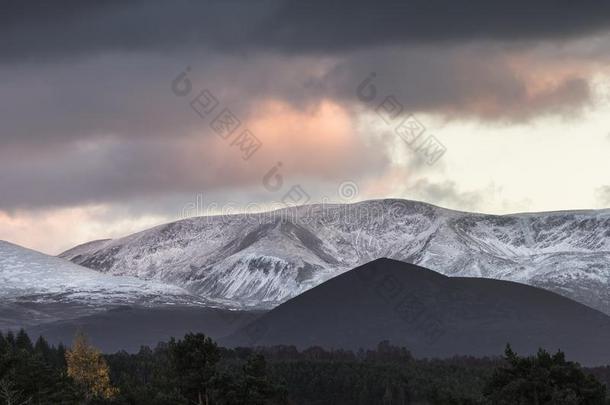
(108, 128)
(118, 169)
(110, 171)
(130, 95)
(33, 29)
(454, 82)
(126, 96)
(88, 114)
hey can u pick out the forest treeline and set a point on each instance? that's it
(195, 370)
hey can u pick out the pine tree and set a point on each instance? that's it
(10, 339)
(363, 396)
(3, 344)
(256, 384)
(194, 360)
(89, 370)
(10, 395)
(23, 342)
(387, 395)
(43, 349)
(59, 360)
(543, 379)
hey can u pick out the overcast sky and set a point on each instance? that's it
(111, 112)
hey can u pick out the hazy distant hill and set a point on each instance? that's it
(129, 328)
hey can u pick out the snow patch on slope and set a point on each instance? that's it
(29, 275)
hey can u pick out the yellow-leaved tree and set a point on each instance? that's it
(89, 370)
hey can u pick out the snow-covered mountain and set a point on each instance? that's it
(37, 288)
(264, 259)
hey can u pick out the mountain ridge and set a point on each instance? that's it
(279, 254)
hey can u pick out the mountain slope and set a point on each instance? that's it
(432, 315)
(36, 288)
(261, 260)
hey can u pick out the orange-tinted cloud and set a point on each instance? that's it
(56, 230)
(320, 141)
